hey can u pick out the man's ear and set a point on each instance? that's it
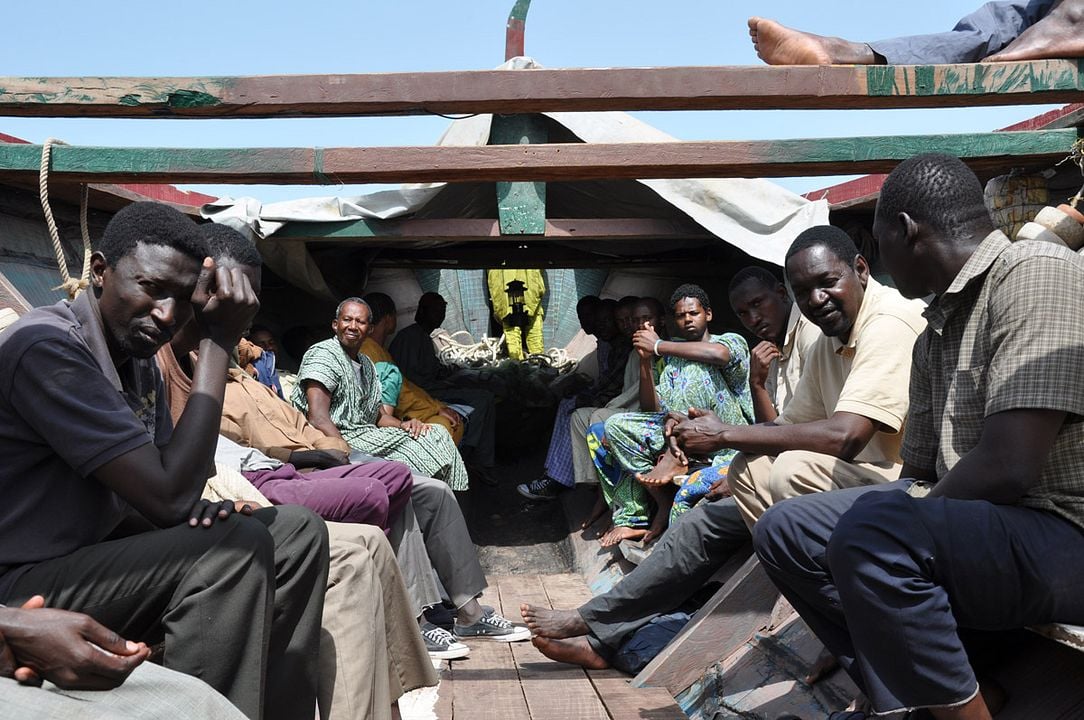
(861, 268)
(909, 227)
(98, 266)
(707, 314)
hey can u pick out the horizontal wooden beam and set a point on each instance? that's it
(551, 162)
(528, 91)
(484, 230)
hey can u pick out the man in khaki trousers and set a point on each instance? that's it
(843, 426)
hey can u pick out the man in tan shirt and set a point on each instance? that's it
(842, 427)
(597, 633)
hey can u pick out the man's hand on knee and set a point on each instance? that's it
(204, 513)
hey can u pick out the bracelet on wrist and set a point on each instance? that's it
(655, 349)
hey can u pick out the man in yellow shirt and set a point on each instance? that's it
(534, 289)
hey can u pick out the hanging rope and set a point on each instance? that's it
(1076, 156)
(71, 285)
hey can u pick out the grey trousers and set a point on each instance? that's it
(149, 693)
(238, 604)
(684, 559)
(888, 582)
(479, 443)
(982, 33)
(431, 536)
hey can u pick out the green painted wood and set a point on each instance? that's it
(985, 152)
(521, 206)
(973, 80)
(520, 92)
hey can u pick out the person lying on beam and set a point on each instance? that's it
(996, 32)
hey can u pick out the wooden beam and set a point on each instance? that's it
(551, 162)
(530, 91)
(741, 607)
(459, 230)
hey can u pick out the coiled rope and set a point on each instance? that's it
(73, 286)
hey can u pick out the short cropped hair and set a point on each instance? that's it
(938, 190)
(154, 224)
(225, 242)
(356, 301)
(753, 273)
(830, 237)
(587, 300)
(694, 292)
(380, 305)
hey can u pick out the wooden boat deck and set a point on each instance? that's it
(516, 682)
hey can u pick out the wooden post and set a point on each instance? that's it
(521, 206)
(517, 28)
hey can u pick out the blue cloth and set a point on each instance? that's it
(649, 641)
(886, 581)
(559, 456)
(978, 35)
(266, 372)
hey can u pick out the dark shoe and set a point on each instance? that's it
(492, 626)
(441, 644)
(544, 488)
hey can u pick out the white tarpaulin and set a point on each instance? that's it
(756, 216)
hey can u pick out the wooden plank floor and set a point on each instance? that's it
(516, 682)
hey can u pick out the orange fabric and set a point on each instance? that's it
(414, 401)
(177, 383)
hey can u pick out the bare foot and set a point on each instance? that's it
(658, 526)
(1058, 35)
(548, 623)
(780, 45)
(664, 471)
(619, 533)
(598, 510)
(574, 652)
(825, 665)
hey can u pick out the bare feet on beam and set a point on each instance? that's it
(576, 651)
(1058, 35)
(780, 45)
(557, 624)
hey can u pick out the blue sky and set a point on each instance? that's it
(64, 38)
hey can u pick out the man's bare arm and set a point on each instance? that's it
(843, 435)
(319, 415)
(1008, 460)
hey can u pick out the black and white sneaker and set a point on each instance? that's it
(492, 626)
(441, 644)
(544, 488)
